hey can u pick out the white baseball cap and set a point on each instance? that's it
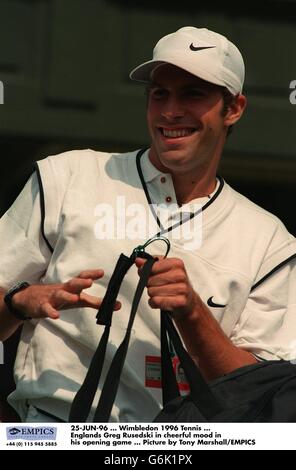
(201, 52)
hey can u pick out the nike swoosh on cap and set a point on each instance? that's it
(212, 304)
(194, 48)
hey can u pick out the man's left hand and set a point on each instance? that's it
(169, 287)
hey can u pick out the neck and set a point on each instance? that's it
(192, 184)
(189, 187)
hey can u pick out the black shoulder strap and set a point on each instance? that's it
(200, 392)
(82, 402)
(111, 384)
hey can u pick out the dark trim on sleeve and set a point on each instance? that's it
(42, 208)
(276, 268)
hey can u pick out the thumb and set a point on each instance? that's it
(139, 262)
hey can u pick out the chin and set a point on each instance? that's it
(173, 158)
(175, 166)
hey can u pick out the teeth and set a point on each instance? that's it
(176, 132)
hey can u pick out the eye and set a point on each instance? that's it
(158, 93)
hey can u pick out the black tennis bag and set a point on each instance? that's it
(263, 392)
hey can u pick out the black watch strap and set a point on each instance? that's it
(8, 300)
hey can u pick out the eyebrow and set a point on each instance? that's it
(153, 84)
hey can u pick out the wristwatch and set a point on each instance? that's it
(8, 300)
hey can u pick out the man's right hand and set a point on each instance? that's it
(42, 301)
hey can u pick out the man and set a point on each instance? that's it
(232, 297)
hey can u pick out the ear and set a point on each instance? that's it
(235, 110)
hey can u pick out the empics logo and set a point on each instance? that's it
(41, 433)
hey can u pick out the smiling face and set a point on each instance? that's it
(186, 123)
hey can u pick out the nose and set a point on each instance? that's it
(172, 108)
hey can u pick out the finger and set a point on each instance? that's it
(139, 262)
(156, 302)
(117, 305)
(63, 299)
(91, 274)
(167, 264)
(91, 301)
(158, 266)
(165, 303)
(50, 312)
(169, 277)
(167, 290)
(76, 285)
(86, 300)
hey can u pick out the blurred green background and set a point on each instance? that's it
(65, 64)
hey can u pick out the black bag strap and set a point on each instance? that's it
(111, 384)
(82, 402)
(104, 315)
(200, 392)
(170, 389)
(83, 399)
